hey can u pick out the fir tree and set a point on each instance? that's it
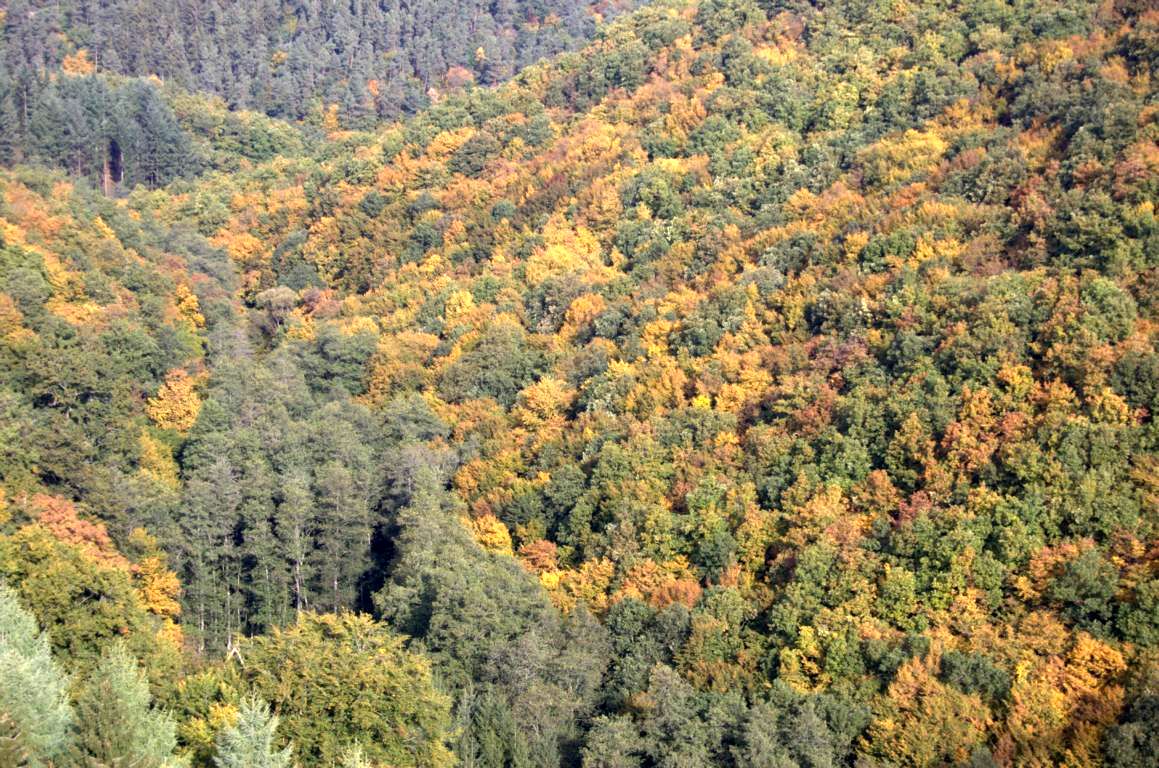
(249, 742)
(116, 722)
(35, 715)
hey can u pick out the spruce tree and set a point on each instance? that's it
(249, 742)
(117, 724)
(35, 715)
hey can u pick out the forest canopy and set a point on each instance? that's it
(747, 383)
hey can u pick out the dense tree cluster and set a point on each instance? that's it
(121, 133)
(766, 384)
(293, 59)
(64, 102)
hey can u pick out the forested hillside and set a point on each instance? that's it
(64, 100)
(294, 59)
(765, 384)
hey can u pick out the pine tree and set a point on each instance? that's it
(116, 722)
(10, 129)
(35, 715)
(249, 742)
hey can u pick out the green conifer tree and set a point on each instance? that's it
(249, 743)
(35, 715)
(117, 724)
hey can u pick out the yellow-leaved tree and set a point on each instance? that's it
(177, 403)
